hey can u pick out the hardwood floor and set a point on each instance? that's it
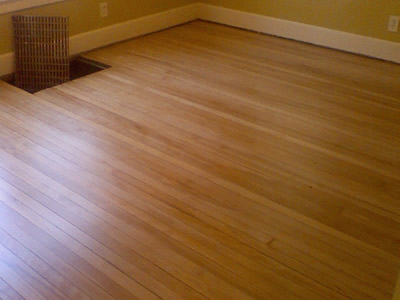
(208, 162)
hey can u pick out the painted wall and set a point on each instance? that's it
(84, 15)
(364, 17)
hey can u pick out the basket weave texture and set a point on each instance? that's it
(41, 52)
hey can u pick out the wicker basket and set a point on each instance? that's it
(41, 51)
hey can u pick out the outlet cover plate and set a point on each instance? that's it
(103, 10)
(394, 24)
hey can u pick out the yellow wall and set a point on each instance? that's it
(364, 17)
(84, 14)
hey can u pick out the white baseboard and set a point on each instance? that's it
(302, 32)
(134, 28)
(119, 32)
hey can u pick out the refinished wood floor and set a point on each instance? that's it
(208, 162)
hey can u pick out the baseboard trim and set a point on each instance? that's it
(119, 32)
(134, 28)
(320, 36)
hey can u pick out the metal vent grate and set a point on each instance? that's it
(41, 51)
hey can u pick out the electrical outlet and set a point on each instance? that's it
(394, 24)
(103, 10)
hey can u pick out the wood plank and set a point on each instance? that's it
(18, 283)
(91, 152)
(100, 168)
(8, 293)
(153, 221)
(208, 162)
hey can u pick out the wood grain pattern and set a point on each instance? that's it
(208, 162)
